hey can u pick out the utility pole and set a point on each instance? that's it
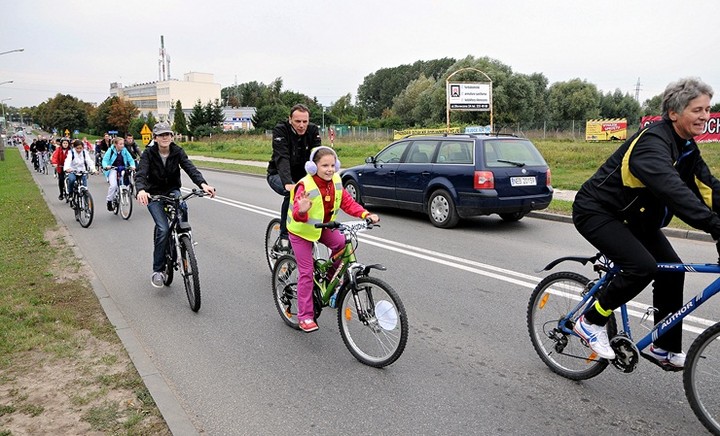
(637, 91)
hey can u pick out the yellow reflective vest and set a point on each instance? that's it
(307, 230)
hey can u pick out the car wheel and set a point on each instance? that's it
(352, 188)
(511, 217)
(441, 210)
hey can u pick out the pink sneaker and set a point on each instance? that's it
(308, 325)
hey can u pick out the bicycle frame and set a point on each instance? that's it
(349, 267)
(666, 323)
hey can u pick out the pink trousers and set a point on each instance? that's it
(303, 249)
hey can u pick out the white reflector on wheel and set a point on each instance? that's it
(386, 315)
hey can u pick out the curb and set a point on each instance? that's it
(172, 412)
(672, 233)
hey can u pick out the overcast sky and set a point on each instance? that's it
(325, 48)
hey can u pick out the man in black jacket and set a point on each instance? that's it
(292, 141)
(159, 174)
(621, 209)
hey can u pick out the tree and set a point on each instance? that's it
(653, 106)
(63, 112)
(341, 111)
(197, 117)
(266, 117)
(408, 99)
(151, 121)
(121, 113)
(214, 114)
(617, 105)
(574, 100)
(179, 121)
(99, 120)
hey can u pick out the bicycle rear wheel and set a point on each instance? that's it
(701, 378)
(564, 353)
(87, 208)
(284, 288)
(189, 272)
(125, 204)
(374, 328)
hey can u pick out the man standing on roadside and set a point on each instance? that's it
(292, 141)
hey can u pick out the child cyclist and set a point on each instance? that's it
(316, 198)
(116, 156)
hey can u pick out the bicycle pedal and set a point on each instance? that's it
(665, 366)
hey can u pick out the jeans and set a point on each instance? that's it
(161, 233)
(277, 185)
(72, 177)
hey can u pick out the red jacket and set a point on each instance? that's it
(58, 158)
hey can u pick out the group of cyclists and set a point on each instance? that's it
(656, 173)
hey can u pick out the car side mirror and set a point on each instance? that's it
(370, 160)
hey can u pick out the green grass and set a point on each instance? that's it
(47, 312)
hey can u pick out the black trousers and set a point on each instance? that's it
(636, 251)
(61, 181)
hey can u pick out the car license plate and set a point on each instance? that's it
(523, 181)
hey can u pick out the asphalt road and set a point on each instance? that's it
(468, 368)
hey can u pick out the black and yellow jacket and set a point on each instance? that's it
(651, 177)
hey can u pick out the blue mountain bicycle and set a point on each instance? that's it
(562, 297)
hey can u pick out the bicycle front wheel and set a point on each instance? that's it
(126, 205)
(374, 325)
(170, 256)
(564, 353)
(701, 378)
(284, 288)
(87, 209)
(190, 274)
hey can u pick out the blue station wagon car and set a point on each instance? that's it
(455, 176)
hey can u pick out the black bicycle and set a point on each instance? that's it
(81, 200)
(181, 246)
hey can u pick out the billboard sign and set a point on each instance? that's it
(614, 129)
(711, 132)
(469, 96)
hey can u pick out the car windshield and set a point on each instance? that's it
(512, 152)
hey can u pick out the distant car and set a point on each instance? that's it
(455, 176)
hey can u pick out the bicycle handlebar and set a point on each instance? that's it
(172, 199)
(350, 225)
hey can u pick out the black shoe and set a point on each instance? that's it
(60, 197)
(110, 206)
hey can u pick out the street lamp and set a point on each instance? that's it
(3, 111)
(13, 51)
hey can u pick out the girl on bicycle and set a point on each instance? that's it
(58, 161)
(116, 156)
(79, 160)
(316, 198)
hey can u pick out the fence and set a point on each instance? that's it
(552, 130)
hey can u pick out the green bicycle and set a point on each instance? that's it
(371, 318)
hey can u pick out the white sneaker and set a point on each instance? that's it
(667, 357)
(596, 337)
(158, 279)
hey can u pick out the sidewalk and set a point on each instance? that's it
(253, 163)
